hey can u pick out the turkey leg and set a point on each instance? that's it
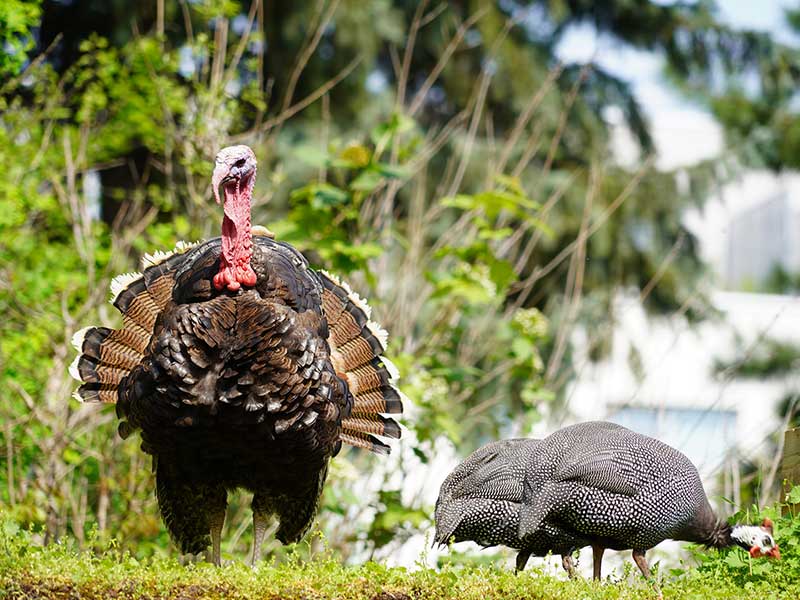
(216, 520)
(260, 521)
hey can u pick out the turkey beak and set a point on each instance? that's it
(219, 177)
(774, 552)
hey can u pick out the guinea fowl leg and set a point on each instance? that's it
(522, 560)
(641, 562)
(597, 560)
(569, 565)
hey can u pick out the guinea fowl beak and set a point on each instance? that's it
(774, 552)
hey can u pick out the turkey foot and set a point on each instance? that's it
(260, 521)
(217, 520)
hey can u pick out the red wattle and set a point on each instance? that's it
(237, 242)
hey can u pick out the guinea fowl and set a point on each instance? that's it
(622, 490)
(481, 501)
(242, 368)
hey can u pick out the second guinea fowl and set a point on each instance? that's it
(481, 501)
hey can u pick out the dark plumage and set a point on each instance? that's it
(623, 490)
(481, 501)
(239, 374)
(606, 486)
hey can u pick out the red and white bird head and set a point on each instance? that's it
(757, 540)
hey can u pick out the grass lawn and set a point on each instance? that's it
(60, 572)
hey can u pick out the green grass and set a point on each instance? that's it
(28, 570)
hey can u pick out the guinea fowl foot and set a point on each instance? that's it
(522, 560)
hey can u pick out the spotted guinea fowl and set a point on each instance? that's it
(242, 368)
(481, 500)
(622, 490)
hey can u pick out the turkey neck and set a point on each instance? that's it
(237, 240)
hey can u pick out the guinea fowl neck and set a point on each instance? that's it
(237, 240)
(719, 536)
(708, 530)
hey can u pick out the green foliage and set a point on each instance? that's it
(779, 281)
(766, 358)
(17, 19)
(60, 571)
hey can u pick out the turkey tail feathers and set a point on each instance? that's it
(357, 345)
(106, 356)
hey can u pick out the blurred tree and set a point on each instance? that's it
(515, 42)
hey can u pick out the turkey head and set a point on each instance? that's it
(235, 175)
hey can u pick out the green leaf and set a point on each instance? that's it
(312, 155)
(366, 181)
(320, 195)
(354, 156)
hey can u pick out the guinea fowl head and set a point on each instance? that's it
(757, 540)
(234, 177)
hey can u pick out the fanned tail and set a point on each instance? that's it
(357, 345)
(106, 356)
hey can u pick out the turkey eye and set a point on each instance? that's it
(766, 542)
(239, 163)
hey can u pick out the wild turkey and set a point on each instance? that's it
(622, 490)
(481, 500)
(242, 368)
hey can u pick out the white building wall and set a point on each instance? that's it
(678, 379)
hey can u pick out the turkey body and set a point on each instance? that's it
(240, 389)
(481, 501)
